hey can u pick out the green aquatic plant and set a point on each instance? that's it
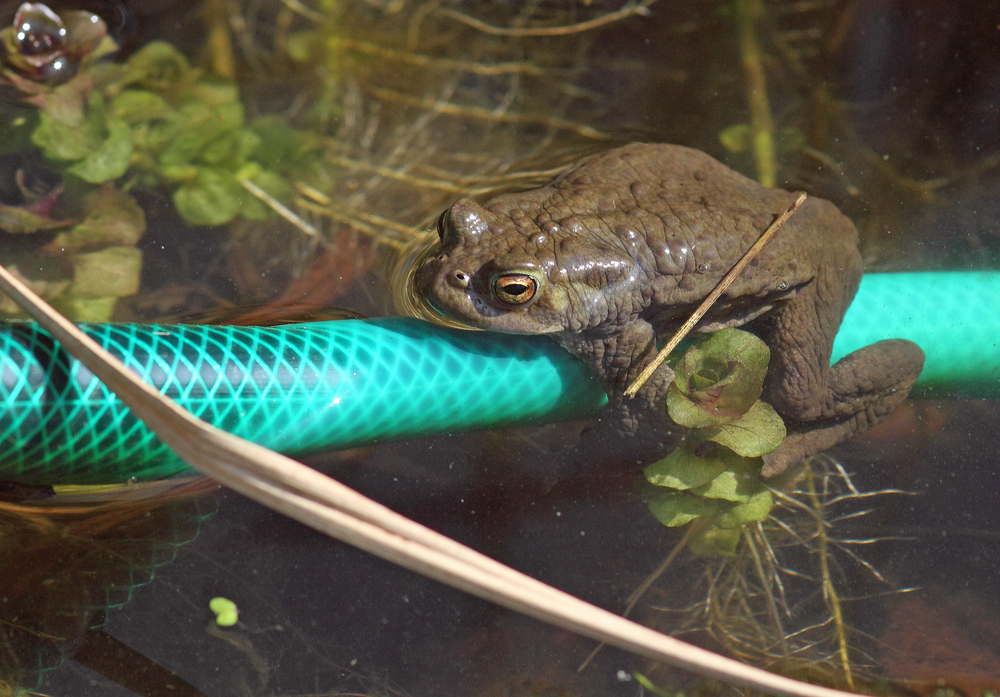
(156, 120)
(714, 475)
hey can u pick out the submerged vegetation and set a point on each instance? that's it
(714, 475)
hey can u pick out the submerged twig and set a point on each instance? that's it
(706, 305)
(278, 207)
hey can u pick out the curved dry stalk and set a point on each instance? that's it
(326, 505)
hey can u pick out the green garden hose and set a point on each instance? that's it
(307, 388)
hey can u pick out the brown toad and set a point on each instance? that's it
(620, 248)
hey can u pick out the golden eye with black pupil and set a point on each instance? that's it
(515, 288)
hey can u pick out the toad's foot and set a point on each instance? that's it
(864, 387)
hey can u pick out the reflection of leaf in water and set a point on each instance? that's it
(66, 561)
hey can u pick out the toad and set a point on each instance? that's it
(619, 249)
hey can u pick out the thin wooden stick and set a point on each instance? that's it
(706, 305)
(326, 505)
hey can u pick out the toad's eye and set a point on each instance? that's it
(515, 288)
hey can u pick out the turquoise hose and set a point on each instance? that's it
(308, 388)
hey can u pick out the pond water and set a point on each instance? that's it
(145, 186)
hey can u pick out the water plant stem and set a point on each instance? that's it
(829, 590)
(761, 124)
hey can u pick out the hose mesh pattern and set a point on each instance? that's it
(295, 389)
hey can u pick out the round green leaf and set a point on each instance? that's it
(732, 515)
(736, 138)
(682, 469)
(111, 272)
(674, 508)
(111, 158)
(213, 198)
(739, 482)
(686, 412)
(711, 540)
(754, 434)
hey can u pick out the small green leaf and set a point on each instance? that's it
(790, 139)
(199, 126)
(736, 138)
(213, 198)
(682, 469)
(737, 483)
(157, 66)
(301, 46)
(61, 141)
(685, 412)
(20, 220)
(111, 272)
(712, 540)
(231, 149)
(732, 515)
(282, 147)
(754, 434)
(112, 217)
(111, 159)
(138, 106)
(674, 508)
(86, 309)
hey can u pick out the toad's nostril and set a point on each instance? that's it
(460, 279)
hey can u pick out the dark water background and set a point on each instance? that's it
(891, 109)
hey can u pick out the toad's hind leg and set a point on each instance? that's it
(823, 405)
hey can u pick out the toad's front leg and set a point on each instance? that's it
(617, 358)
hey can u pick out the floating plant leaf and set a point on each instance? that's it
(111, 158)
(231, 149)
(158, 67)
(200, 125)
(63, 141)
(736, 138)
(756, 433)
(282, 147)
